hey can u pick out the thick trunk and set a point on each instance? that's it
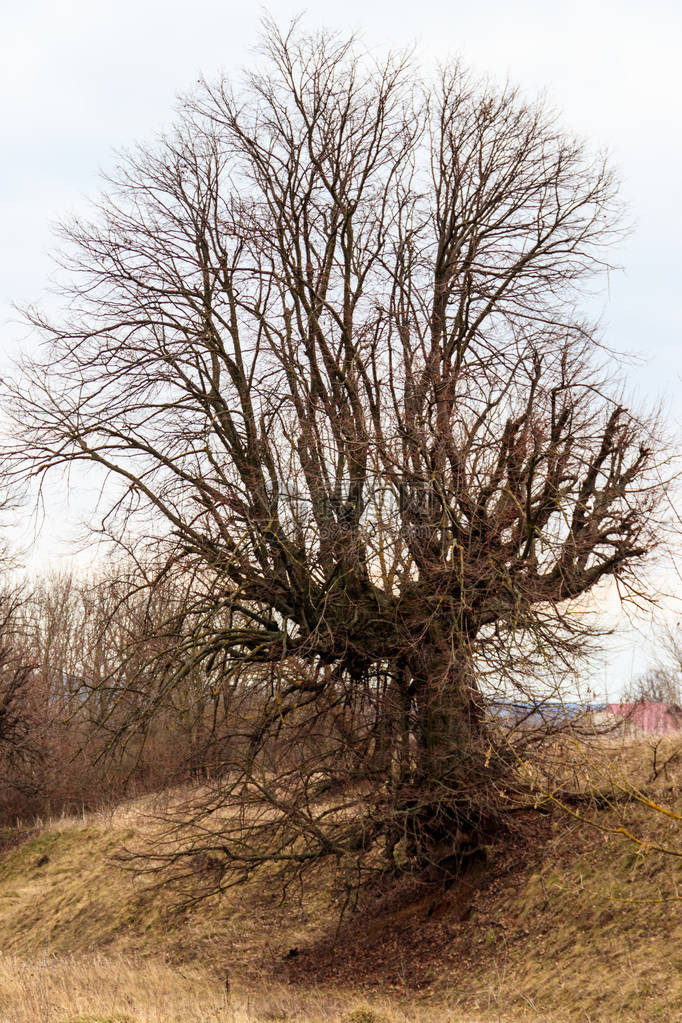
(451, 816)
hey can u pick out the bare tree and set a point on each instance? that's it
(95, 639)
(662, 682)
(322, 343)
(17, 749)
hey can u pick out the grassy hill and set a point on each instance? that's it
(575, 923)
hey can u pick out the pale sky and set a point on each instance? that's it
(79, 79)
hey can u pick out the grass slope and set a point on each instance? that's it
(573, 924)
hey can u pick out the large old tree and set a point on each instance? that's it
(322, 342)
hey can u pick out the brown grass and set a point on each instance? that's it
(575, 924)
(99, 989)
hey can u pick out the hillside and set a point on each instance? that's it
(575, 924)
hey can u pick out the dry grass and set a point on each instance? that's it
(587, 928)
(51, 989)
(98, 989)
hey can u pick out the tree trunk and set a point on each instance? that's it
(451, 816)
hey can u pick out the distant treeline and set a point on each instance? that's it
(83, 719)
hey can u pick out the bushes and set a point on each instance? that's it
(77, 679)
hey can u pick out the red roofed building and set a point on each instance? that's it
(659, 718)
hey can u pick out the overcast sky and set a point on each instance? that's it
(79, 79)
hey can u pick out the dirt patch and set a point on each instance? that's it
(404, 937)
